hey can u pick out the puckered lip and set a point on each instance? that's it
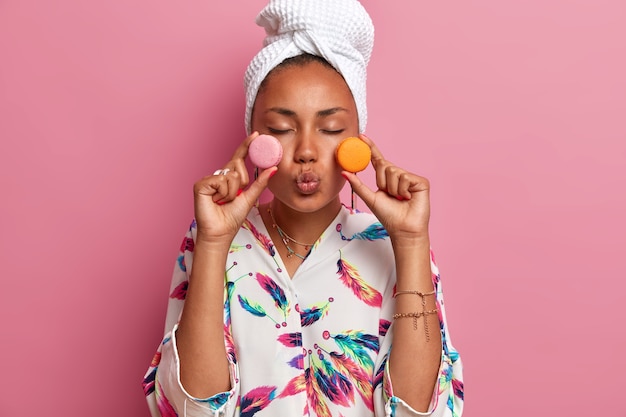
(307, 182)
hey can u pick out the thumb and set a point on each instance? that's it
(360, 188)
(256, 187)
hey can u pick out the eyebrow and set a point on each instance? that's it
(321, 113)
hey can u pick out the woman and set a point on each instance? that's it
(292, 307)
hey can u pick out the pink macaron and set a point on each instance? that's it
(265, 151)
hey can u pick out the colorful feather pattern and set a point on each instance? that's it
(373, 232)
(327, 386)
(351, 279)
(180, 292)
(181, 262)
(360, 377)
(314, 394)
(164, 406)
(251, 307)
(256, 400)
(291, 339)
(336, 386)
(297, 362)
(457, 387)
(344, 384)
(187, 244)
(218, 400)
(383, 327)
(229, 342)
(263, 240)
(277, 293)
(293, 387)
(230, 288)
(308, 316)
(447, 381)
(378, 376)
(235, 248)
(354, 344)
(156, 359)
(148, 382)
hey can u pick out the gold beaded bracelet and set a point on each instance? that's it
(415, 315)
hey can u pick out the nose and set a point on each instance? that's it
(306, 149)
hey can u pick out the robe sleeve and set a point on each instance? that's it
(447, 397)
(164, 392)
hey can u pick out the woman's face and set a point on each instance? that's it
(309, 109)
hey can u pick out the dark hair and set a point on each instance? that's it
(295, 61)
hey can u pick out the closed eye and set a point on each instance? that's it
(278, 131)
(333, 132)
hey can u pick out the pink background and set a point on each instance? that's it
(109, 111)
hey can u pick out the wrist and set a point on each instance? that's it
(411, 242)
(209, 243)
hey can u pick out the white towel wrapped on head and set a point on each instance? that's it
(340, 31)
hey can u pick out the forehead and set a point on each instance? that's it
(311, 86)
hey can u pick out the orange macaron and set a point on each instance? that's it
(353, 154)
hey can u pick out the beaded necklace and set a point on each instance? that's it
(286, 239)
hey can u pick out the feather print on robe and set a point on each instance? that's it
(277, 293)
(351, 279)
(165, 408)
(295, 386)
(308, 316)
(263, 240)
(181, 263)
(326, 385)
(256, 400)
(359, 376)
(251, 307)
(180, 292)
(228, 332)
(148, 382)
(187, 244)
(291, 339)
(328, 356)
(149, 379)
(315, 395)
(335, 386)
(373, 232)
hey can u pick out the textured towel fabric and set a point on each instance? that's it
(340, 31)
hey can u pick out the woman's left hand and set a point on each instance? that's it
(401, 202)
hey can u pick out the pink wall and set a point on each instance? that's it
(514, 109)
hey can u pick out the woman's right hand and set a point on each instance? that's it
(220, 202)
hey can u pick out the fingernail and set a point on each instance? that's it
(221, 203)
(344, 175)
(239, 191)
(273, 173)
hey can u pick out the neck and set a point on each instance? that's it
(304, 227)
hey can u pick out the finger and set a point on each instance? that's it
(405, 180)
(255, 189)
(377, 155)
(231, 189)
(207, 186)
(239, 166)
(360, 188)
(242, 150)
(392, 180)
(418, 184)
(379, 163)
